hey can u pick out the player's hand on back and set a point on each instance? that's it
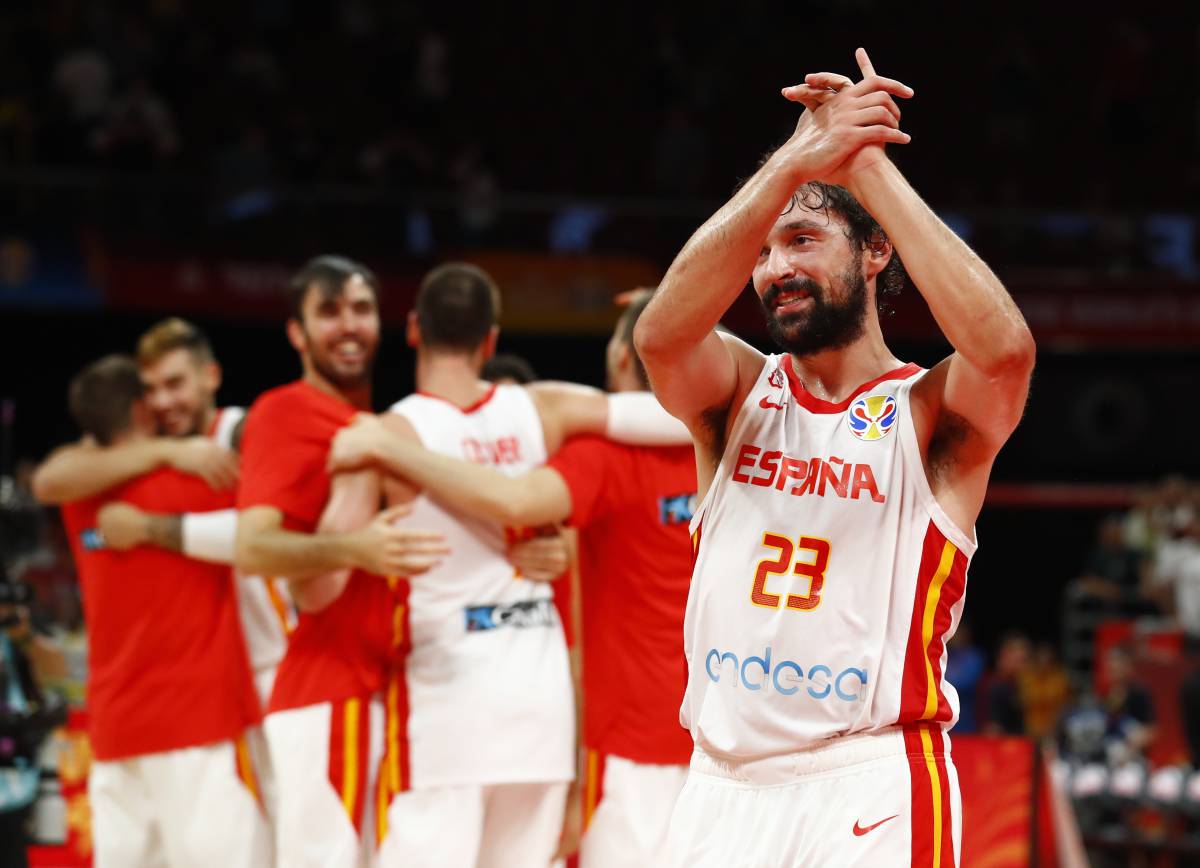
(841, 119)
(357, 445)
(201, 456)
(541, 559)
(122, 525)
(385, 548)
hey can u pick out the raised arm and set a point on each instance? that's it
(969, 404)
(538, 497)
(83, 469)
(695, 372)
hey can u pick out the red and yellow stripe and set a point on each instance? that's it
(393, 776)
(349, 754)
(593, 785)
(941, 582)
(932, 815)
(245, 768)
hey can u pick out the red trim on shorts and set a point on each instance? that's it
(394, 774)
(466, 411)
(813, 404)
(932, 818)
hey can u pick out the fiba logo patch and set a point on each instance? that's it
(871, 418)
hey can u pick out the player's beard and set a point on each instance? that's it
(340, 375)
(828, 324)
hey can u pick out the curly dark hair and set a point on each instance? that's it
(862, 231)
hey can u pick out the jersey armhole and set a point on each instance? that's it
(910, 454)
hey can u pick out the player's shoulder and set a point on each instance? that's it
(281, 399)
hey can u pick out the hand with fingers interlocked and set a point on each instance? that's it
(845, 124)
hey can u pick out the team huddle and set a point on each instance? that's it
(324, 637)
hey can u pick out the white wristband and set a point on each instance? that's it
(637, 418)
(210, 536)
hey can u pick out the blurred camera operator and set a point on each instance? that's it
(27, 715)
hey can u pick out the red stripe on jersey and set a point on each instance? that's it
(941, 582)
(349, 752)
(952, 591)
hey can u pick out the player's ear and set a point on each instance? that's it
(878, 253)
(210, 373)
(295, 334)
(412, 331)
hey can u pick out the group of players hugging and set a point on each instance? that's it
(320, 636)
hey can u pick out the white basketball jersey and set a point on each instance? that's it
(827, 578)
(489, 684)
(265, 605)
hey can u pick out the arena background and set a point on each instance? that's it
(175, 157)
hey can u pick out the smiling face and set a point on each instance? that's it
(339, 334)
(811, 282)
(181, 391)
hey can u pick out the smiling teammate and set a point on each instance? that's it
(842, 487)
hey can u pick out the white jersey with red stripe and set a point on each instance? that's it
(265, 605)
(827, 577)
(487, 677)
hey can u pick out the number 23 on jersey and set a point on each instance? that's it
(808, 557)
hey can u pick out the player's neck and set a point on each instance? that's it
(833, 375)
(453, 377)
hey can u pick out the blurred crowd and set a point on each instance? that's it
(244, 95)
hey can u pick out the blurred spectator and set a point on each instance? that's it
(1045, 691)
(1004, 712)
(1174, 572)
(1129, 710)
(965, 667)
(139, 130)
(82, 80)
(1113, 571)
(27, 715)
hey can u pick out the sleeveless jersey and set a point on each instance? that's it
(264, 605)
(487, 677)
(827, 579)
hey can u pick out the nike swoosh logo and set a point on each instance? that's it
(859, 831)
(768, 404)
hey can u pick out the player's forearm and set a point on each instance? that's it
(165, 531)
(297, 556)
(78, 471)
(713, 267)
(970, 304)
(470, 488)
